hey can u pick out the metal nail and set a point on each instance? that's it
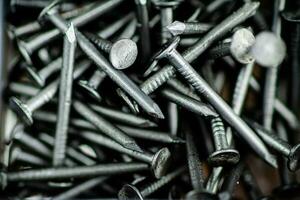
(65, 97)
(70, 151)
(131, 192)
(122, 117)
(80, 188)
(27, 48)
(159, 161)
(276, 49)
(24, 110)
(291, 152)
(144, 29)
(224, 154)
(189, 103)
(18, 154)
(106, 127)
(76, 172)
(156, 80)
(186, 28)
(201, 86)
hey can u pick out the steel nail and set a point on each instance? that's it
(159, 161)
(131, 192)
(27, 48)
(201, 86)
(261, 52)
(76, 172)
(144, 29)
(224, 154)
(24, 110)
(106, 127)
(194, 163)
(152, 135)
(18, 154)
(122, 117)
(291, 152)
(80, 188)
(167, 72)
(70, 151)
(65, 97)
(189, 103)
(186, 28)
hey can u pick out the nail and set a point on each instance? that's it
(292, 20)
(166, 12)
(27, 48)
(189, 103)
(122, 117)
(131, 192)
(159, 161)
(201, 86)
(80, 188)
(42, 75)
(152, 135)
(23, 30)
(65, 97)
(173, 118)
(18, 154)
(34, 26)
(91, 85)
(261, 52)
(121, 79)
(194, 163)
(28, 4)
(23, 89)
(144, 29)
(292, 153)
(231, 181)
(70, 151)
(35, 145)
(24, 110)
(122, 53)
(106, 127)
(279, 106)
(187, 28)
(165, 73)
(224, 154)
(184, 89)
(76, 172)
(117, 76)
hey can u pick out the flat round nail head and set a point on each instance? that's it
(123, 53)
(241, 43)
(269, 50)
(21, 110)
(170, 46)
(160, 162)
(129, 192)
(224, 157)
(89, 89)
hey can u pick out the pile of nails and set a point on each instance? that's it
(159, 99)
